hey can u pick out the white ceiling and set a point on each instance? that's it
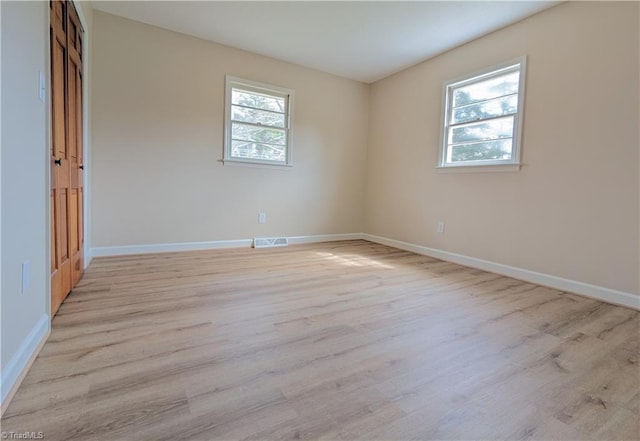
(363, 40)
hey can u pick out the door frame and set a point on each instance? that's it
(86, 131)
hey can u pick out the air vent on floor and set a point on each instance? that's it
(268, 242)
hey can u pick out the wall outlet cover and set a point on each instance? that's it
(26, 276)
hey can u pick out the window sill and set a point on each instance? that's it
(255, 164)
(489, 168)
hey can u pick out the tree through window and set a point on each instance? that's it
(257, 122)
(482, 117)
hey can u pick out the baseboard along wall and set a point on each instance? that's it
(585, 289)
(16, 369)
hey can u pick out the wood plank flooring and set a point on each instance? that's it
(334, 341)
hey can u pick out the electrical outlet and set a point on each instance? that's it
(440, 228)
(262, 218)
(26, 276)
(42, 87)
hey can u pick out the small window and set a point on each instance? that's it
(483, 117)
(257, 123)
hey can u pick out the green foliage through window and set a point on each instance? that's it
(482, 117)
(258, 124)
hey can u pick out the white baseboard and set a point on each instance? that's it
(17, 367)
(211, 245)
(295, 240)
(88, 257)
(168, 247)
(597, 292)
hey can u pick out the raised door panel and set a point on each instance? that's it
(72, 133)
(78, 264)
(58, 111)
(74, 130)
(56, 280)
(54, 226)
(74, 234)
(65, 261)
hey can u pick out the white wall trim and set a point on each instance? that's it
(17, 367)
(88, 257)
(294, 240)
(86, 135)
(211, 245)
(585, 289)
(168, 247)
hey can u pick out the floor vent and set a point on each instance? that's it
(268, 242)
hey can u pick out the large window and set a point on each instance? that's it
(257, 123)
(483, 117)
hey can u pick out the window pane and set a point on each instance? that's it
(482, 151)
(487, 109)
(480, 131)
(254, 150)
(257, 116)
(487, 89)
(267, 135)
(258, 101)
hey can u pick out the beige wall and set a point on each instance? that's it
(24, 177)
(572, 211)
(157, 133)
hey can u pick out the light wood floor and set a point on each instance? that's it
(335, 341)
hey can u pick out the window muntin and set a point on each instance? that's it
(482, 118)
(257, 120)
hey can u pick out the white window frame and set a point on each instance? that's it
(512, 164)
(231, 83)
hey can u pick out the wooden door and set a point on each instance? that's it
(66, 151)
(74, 136)
(60, 263)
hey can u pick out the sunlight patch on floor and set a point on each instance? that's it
(354, 260)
